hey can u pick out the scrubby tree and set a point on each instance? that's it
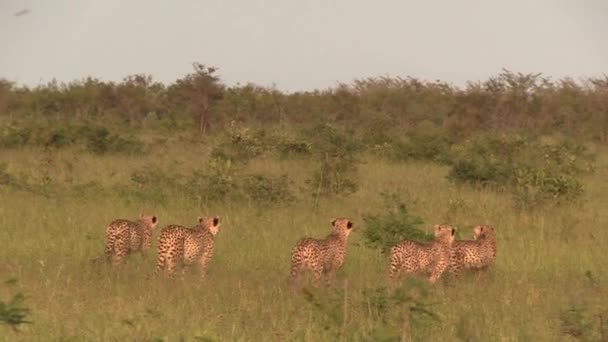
(199, 90)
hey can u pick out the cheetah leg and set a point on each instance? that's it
(394, 270)
(296, 267)
(161, 263)
(454, 272)
(317, 273)
(482, 273)
(121, 249)
(109, 249)
(205, 265)
(170, 266)
(437, 272)
(183, 271)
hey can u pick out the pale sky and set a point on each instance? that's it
(301, 44)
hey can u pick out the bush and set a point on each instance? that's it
(480, 170)
(264, 189)
(535, 187)
(289, 147)
(101, 141)
(241, 145)
(218, 183)
(13, 313)
(5, 177)
(427, 142)
(152, 184)
(534, 172)
(12, 136)
(397, 224)
(338, 171)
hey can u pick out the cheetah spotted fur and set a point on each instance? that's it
(124, 237)
(477, 254)
(411, 257)
(181, 246)
(321, 256)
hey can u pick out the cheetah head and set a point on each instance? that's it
(343, 226)
(482, 231)
(150, 220)
(210, 222)
(444, 232)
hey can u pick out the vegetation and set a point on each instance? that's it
(396, 156)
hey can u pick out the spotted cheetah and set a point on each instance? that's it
(478, 254)
(124, 237)
(321, 256)
(426, 258)
(183, 246)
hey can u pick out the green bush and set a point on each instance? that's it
(427, 142)
(291, 147)
(384, 231)
(152, 185)
(13, 136)
(14, 313)
(217, 182)
(101, 141)
(337, 153)
(264, 189)
(241, 145)
(5, 177)
(534, 172)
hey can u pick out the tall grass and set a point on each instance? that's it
(49, 242)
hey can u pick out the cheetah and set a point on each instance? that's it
(427, 258)
(124, 237)
(477, 254)
(321, 256)
(183, 246)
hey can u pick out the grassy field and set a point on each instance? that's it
(49, 244)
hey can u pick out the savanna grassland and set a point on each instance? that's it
(396, 156)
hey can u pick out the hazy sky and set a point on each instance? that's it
(301, 44)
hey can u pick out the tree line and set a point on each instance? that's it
(506, 102)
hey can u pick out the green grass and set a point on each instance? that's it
(49, 244)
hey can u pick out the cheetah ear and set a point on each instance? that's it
(216, 221)
(201, 219)
(453, 231)
(349, 224)
(333, 222)
(154, 219)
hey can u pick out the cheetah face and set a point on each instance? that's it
(211, 222)
(481, 231)
(150, 220)
(445, 232)
(342, 225)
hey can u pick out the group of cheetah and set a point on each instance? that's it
(177, 245)
(181, 246)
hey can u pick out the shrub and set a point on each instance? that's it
(13, 313)
(241, 145)
(427, 142)
(152, 184)
(264, 189)
(534, 172)
(218, 181)
(5, 177)
(338, 171)
(101, 141)
(386, 230)
(12, 136)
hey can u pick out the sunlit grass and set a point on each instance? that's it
(49, 245)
